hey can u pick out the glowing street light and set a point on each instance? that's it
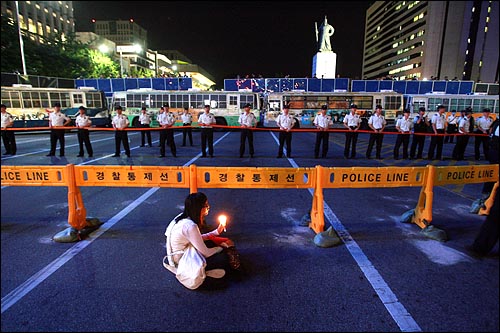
(103, 48)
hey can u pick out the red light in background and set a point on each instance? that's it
(131, 20)
(93, 20)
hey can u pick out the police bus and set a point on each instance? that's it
(225, 105)
(30, 107)
(453, 103)
(305, 105)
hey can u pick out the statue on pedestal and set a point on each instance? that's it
(323, 37)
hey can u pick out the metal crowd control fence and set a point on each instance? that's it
(193, 177)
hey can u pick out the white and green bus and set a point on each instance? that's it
(225, 105)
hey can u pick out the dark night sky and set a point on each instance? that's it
(229, 38)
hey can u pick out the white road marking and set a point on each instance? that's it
(397, 311)
(18, 293)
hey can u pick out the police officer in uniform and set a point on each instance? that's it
(352, 122)
(167, 121)
(438, 122)
(404, 126)
(82, 121)
(420, 125)
(247, 121)
(187, 119)
(451, 128)
(145, 122)
(463, 139)
(483, 127)
(206, 120)
(57, 119)
(377, 124)
(285, 122)
(322, 122)
(120, 123)
(8, 137)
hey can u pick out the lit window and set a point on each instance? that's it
(378, 28)
(421, 16)
(480, 63)
(395, 45)
(37, 6)
(487, 19)
(473, 9)
(468, 40)
(28, 2)
(466, 52)
(415, 19)
(485, 29)
(46, 10)
(54, 14)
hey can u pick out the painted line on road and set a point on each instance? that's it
(22, 290)
(397, 310)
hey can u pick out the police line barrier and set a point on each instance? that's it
(193, 177)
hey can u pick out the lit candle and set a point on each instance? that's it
(222, 220)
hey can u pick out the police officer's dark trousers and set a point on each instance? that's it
(207, 136)
(351, 138)
(436, 142)
(375, 138)
(84, 138)
(121, 137)
(481, 139)
(246, 133)
(55, 135)
(186, 131)
(145, 133)
(285, 137)
(9, 142)
(417, 145)
(404, 139)
(321, 136)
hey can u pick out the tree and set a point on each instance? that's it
(55, 57)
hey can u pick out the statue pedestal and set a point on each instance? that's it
(324, 64)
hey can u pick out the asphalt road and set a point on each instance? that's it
(386, 276)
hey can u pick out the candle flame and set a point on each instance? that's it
(223, 219)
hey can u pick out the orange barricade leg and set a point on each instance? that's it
(77, 212)
(193, 179)
(423, 211)
(489, 202)
(317, 210)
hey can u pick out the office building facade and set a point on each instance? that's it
(432, 39)
(41, 19)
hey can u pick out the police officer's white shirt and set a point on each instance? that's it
(83, 121)
(57, 119)
(352, 120)
(323, 121)
(439, 120)
(285, 121)
(452, 119)
(187, 118)
(144, 119)
(484, 123)
(166, 118)
(404, 125)
(6, 119)
(465, 124)
(377, 121)
(247, 119)
(120, 121)
(206, 119)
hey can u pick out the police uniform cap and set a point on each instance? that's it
(486, 110)
(421, 109)
(118, 107)
(286, 106)
(248, 105)
(3, 106)
(166, 105)
(143, 108)
(378, 106)
(82, 108)
(406, 111)
(440, 107)
(324, 107)
(354, 106)
(57, 104)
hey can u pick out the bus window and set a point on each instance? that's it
(27, 100)
(65, 100)
(35, 98)
(44, 97)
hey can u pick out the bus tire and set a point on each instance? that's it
(220, 121)
(135, 122)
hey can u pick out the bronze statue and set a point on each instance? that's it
(323, 39)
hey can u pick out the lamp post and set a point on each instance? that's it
(21, 44)
(121, 63)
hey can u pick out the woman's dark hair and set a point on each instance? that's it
(193, 205)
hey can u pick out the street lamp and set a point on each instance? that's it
(103, 48)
